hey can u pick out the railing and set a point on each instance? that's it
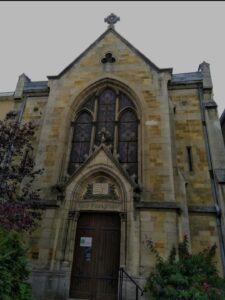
(138, 289)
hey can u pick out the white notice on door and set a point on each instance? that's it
(85, 241)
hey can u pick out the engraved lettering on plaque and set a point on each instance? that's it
(100, 189)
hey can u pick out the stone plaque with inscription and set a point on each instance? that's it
(100, 188)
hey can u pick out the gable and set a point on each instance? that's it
(110, 41)
(101, 160)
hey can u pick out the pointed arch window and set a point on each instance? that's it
(128, 141)
(112, 114)
(106, 115)
(81, 140)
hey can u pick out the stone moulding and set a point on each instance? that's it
(159, 205)
(175, 206)
(202, 209)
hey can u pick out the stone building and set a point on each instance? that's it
(130, 152)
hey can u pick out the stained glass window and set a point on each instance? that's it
(106, 115)
(125, 102)
(81, 140)
(128, 141)
(88, 131)
(89, 104)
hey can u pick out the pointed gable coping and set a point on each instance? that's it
(124, 41)
(110, 156)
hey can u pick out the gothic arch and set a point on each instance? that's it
(74, 205)
(100, 85)
(95, 172)
(90, 93)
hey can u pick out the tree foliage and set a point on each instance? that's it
(191, 277)
(19, 206)
(18, 200)
(13, 268)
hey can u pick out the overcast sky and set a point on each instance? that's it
(42, 38)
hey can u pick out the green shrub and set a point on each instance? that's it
(191, 277)
(13, 268)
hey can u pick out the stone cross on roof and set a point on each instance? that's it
(111, 20)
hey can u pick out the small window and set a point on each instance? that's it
(108, 58)
(190, 158)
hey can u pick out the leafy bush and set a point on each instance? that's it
(191, 277)
(13, 268)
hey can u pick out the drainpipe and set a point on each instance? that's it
(212, 178)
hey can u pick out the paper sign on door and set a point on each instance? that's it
(85, 241)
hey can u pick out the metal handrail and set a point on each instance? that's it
(138, 288)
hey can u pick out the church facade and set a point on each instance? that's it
(130, 152)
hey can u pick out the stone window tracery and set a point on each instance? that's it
(108, 117)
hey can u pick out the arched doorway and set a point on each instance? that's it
(96, 257)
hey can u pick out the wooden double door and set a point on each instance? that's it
(96, 257)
